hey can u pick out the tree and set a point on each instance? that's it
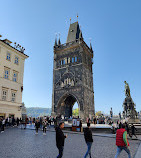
(75, 112)
(98, 113)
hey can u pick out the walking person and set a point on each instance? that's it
(60, 139)
(3, 124)
(37, 126)
(0, 123)
(122, 141)
(44, 127)
(89, 140)
(133, 131)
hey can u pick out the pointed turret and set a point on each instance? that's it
(74, 32)
(80, 35)
(59, 42)
(91, 47)
(55, 44)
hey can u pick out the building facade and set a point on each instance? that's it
(73, 76)
(11, 78)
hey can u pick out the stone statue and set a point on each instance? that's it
(111, 113)
(129, 106)
(127, 89)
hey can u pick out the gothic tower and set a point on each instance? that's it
(73, 76)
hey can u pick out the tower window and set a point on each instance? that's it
(75, 59)
(64, 62)
(61, 62)
(72, 59)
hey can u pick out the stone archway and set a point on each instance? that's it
(65, 105)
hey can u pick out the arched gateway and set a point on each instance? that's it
(72, 75)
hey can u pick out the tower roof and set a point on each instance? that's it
(74, 32)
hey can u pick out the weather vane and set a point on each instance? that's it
(77, 17)
(70, 20)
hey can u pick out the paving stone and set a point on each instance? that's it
(17, 143)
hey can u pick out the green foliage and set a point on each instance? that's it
(38, 112)
(98, 113)
(75, 112)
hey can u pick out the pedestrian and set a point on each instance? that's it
(122, 141)
(37, 126)
(60, 139)
(133, 131)
(44, 127)
(89, 139)
(80, 126)
(120, 125)
(0, 123)
(18, 121)
(3, 124)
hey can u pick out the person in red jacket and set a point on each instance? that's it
(122, 141)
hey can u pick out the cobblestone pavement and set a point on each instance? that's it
(17, 143)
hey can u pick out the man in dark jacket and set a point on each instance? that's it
(60, 139)
(89, 139)
(133, 131)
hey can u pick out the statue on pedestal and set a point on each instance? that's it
(128, 104)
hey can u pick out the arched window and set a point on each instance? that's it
(75, 59)
(72, 59)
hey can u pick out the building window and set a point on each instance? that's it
(61, 62)
(13, 97)
(4, 94)
(75, 59)
(6, 73)
(16, 60)
(64, 62)
(8, 57)
(68, 60)
(72, 59)
(15, 76)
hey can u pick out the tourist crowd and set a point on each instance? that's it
(122, 129)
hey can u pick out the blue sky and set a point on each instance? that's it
(113, 26)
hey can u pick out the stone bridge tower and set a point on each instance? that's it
(73, 76)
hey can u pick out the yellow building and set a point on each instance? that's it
(11, 78)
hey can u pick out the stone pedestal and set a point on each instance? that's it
(134, 121)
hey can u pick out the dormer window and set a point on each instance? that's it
(8, 57)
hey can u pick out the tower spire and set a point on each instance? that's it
(55, 44)
(59, 42)
(91, 46)
(80, 34)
